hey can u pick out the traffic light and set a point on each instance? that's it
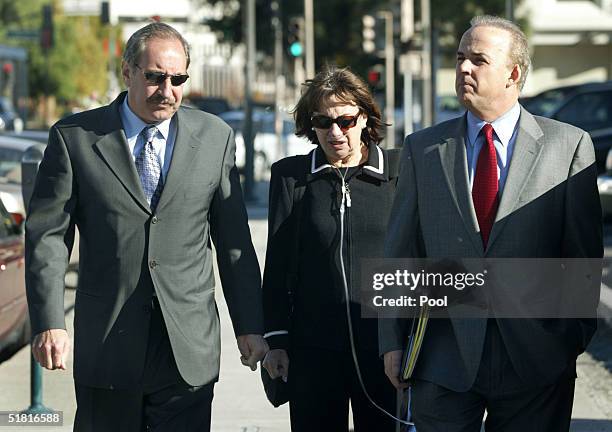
(105, 12)
(373, 34)
(7, 77)
(295, 36)
(46, 31)
(375, 77)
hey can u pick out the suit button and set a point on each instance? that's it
(153, 264)
(154, 220)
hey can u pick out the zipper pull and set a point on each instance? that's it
(343, 199)
(348, 195)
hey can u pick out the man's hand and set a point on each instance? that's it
(276, 363)
(393, 364)
(253, 348)
(51, 347)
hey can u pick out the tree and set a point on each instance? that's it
(75, 67)
(338, 24)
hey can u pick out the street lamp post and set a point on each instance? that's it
(309, 31)
(248, 135)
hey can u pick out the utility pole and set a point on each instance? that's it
(510, 10)
(279, 93)
(309, 30)
(296, 37)
(389, 78)
(247, 133)
(407, 33)
(426, 63)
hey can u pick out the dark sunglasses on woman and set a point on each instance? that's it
(344, 122)
(157, 78)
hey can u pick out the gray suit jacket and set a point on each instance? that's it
(549, 208)
(87, 178)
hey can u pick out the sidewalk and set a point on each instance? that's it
(240, 404)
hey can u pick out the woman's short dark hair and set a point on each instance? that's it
(346, 87)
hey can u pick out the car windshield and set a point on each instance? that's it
(546, 103)
(10, 165)
(5, 105)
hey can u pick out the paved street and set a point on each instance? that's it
(240, 404)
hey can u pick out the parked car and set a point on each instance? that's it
(548, 101)
(11, 153)
(14, 321)
(447, 107)
(589, 107)
(40, 136)
(604, 183)
(267, 149)
(213, 105)
(9, 119)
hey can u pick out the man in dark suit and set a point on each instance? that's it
(495, 183)
(148, 183)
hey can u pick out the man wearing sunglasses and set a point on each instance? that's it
(148, 183)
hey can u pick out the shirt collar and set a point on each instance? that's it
(133, 125)
(503, 126)
(375, 166)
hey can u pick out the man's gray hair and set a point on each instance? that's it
(137, 43)
(519, 47)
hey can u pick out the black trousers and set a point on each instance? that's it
(323, 381)
(511, 405)
(165, 402)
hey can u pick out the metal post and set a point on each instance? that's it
(247, 133)
(407, 32)
(36, 390)
(435, 62)
(426, 63)
(510, 10)
(279, 93)
(298, 76)
(29, 167)
(309, 33)
(408, 99)
(389, 79)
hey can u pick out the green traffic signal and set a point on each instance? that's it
(296, 49)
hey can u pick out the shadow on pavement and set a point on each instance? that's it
(257, 207)
(600, 347)
(590, 425)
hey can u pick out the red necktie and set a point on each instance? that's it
(484, 190)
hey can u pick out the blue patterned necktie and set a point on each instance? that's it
(149, 168)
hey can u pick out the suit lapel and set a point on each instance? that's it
(186, 146)
(453, 157)
(114, 150)
(526, 153)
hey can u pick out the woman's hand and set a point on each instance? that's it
(276, 363)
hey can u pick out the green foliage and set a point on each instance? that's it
(75, 67)
(338, 31)
(453, 18)
(338, 25)
(8, 12)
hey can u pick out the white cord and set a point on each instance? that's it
(346, 200)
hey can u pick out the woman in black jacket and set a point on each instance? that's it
(329, 209)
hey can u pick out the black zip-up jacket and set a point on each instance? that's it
(314, 314)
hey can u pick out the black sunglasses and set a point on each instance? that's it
(158, 78)
(344, 122)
